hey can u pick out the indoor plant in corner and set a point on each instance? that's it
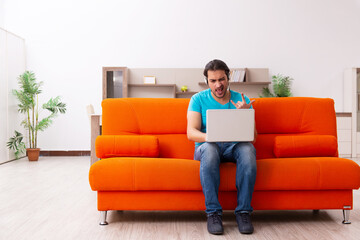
(27, 95)
(281, 87)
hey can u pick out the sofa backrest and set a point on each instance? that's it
(292, 116)
(166, 119)
(160, 117)
(295, 115)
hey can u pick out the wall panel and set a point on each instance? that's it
(12, 64)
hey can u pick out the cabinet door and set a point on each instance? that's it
(115, 82)
(344, 136)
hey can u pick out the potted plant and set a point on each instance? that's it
(281, 87)
(27, 95)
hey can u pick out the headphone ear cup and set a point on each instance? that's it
(205, 80)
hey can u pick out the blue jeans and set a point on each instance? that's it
(210, 156)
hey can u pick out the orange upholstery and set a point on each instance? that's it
(295, 115)
(175, 146)
(126, 146)
(272, 174)
(305, 146)
(147, 160)
(144, 116)
(194, 200)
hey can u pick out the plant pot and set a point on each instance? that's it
(33, 153)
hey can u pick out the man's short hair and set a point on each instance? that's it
(214, 65)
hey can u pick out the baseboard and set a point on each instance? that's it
(343, 114)
(64, 153)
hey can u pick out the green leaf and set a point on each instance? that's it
(266, 93)
(54, 105)
(44, 123)
(15, 143)
(21, 150)
(281, 87)
(28, 84)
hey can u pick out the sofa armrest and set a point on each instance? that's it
(305, 146)
(126, 146)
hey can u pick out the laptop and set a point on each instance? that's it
(230, 125)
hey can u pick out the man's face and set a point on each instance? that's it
(218, 83)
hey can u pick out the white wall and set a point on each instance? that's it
(4, 152)
(68, 42)
(1, 13)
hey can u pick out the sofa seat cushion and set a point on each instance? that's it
(147, 174)
(312, 173)
(134, 174)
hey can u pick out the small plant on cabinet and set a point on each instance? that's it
(281, 87)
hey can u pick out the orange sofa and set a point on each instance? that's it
(147, 161)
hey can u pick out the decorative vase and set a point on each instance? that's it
(33, 153)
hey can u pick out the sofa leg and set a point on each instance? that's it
(346, 214)
(103, 218)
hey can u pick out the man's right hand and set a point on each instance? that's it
(194, 127)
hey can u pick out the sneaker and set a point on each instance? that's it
(244, 223)
(214, 224)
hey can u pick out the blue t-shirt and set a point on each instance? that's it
(203, 101)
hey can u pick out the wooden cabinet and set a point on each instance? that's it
(352, 104)
(129, 82)
(343, 121)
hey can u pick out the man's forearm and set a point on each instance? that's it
(196, 135)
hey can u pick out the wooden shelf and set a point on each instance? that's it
(185, 93)
(129, 82)
(172, 86)
(152, 85)
(242, 83)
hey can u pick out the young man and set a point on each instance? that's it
(210, 155)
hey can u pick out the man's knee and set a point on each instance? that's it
(245, 148)
(245, 154)
(210, 153)
(210, 148)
